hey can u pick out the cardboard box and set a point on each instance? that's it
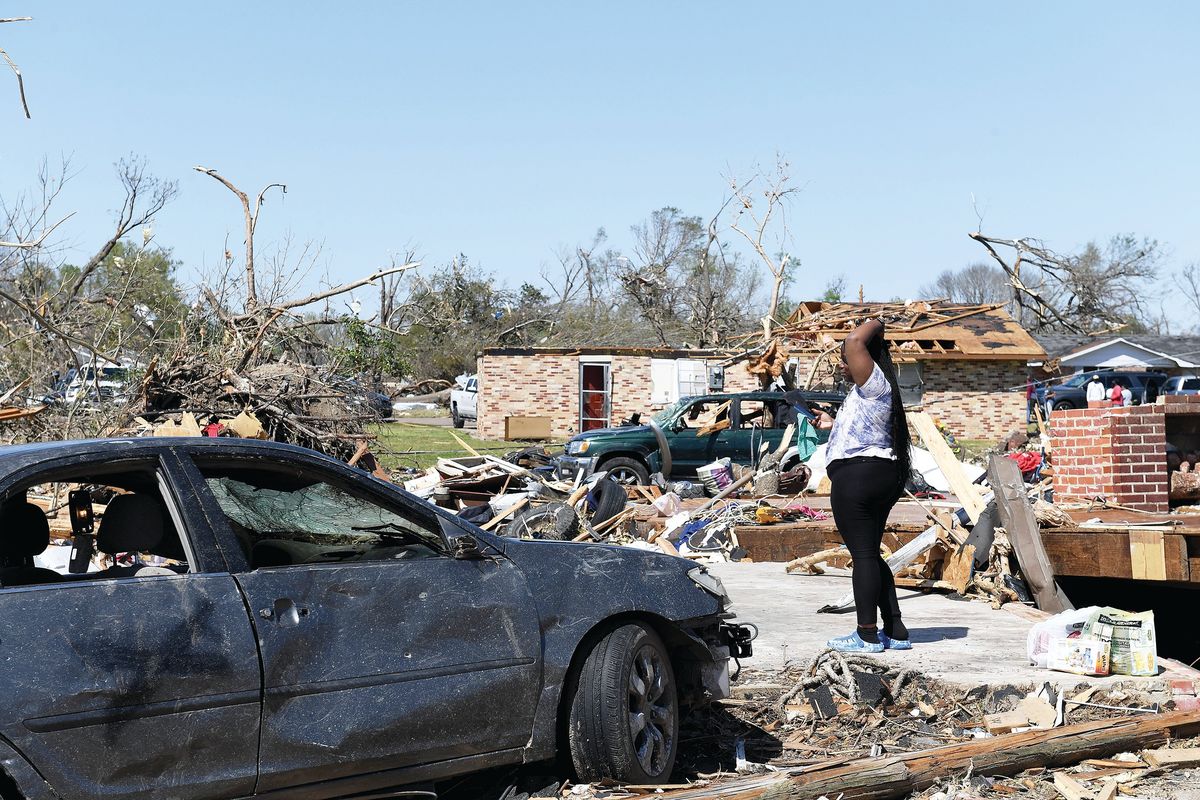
(526, 428)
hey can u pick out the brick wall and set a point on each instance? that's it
(976, 399)
(1117, 453)
(547, 385)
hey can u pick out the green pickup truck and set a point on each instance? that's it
(670, 443)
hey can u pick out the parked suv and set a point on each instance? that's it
(670, 442)
(1182, 384)
(1072, 393)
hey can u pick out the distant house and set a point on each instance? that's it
(1067, 354)
(584, 388)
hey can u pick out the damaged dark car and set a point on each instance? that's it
(216, 618)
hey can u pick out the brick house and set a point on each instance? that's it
(582, 388)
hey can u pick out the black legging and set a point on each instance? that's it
(863, 491)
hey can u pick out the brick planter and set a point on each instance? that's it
(1115, 453)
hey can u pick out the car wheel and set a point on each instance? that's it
(1064, 405)
(455, 419)
(624, 721)
(551, 521)
(627, 471)
(609, 498)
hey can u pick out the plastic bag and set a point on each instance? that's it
(1067, 625)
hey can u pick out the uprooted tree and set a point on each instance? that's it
(1096, 290)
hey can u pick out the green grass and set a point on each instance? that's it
(972, 449)
(403, 444)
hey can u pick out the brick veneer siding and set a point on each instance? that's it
(1117, 453)
(547, 385)
(976, 399)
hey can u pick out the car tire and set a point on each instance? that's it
(624, 717)
(627, 471)
(1065, 405)
(455, 419)
(552, 521)
(609, 498)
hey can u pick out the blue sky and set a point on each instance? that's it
(504, 130)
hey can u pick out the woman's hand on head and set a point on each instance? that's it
(858, 359)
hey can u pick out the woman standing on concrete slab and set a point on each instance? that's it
(868, 463)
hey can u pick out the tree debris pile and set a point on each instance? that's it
(292, 402)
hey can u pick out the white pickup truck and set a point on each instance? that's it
(463, 400)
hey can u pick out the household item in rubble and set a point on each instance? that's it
(1130, 637)
(795, 480)
(668, 504)
(551, 521)
(716, 476)
(1065, 625)
(606, 499)
(1079, 656)
(685, 489)
(477, 514)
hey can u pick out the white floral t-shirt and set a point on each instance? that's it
(863, 426)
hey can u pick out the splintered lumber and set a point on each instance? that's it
(901, 775)
(505, 514)
(1179, 757)
(1070, 788)
(1016, 515)
(967, 493)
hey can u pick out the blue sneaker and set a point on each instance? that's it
(894, 644)
(853, 644)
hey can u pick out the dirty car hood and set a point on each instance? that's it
(607, 433)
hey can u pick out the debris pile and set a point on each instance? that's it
(286, 402)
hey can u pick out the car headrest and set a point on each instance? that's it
(24, 531)
(132, 523)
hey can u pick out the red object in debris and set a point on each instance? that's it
(1027, 460)
(213, 429)
(1185, 703)
(1183, 687)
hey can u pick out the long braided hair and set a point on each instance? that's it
(901, 440)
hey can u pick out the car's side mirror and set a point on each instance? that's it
(466, 548)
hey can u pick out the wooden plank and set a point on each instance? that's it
(1016, 515)
(896, 776)
(956, 569)
(1147, 555)
(1111, 555)
(1175, 757)
(967, 493)
(505, 514)
(1070, 788)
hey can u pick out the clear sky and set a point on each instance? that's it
(504, 130)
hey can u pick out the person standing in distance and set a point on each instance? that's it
(868, 463)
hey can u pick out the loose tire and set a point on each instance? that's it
(455, 419)
(610, 499)
(551, 521)
(627, 471)
(624, 719)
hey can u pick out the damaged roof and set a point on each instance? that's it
(918, 329)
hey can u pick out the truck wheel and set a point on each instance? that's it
(609, 498)
(627, 471)
(455, 419)
(624, 721)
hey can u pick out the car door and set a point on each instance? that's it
(373, 657)
(689, 451)
(753, 424)
(132, 687)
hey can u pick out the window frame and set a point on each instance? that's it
(350, 481)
